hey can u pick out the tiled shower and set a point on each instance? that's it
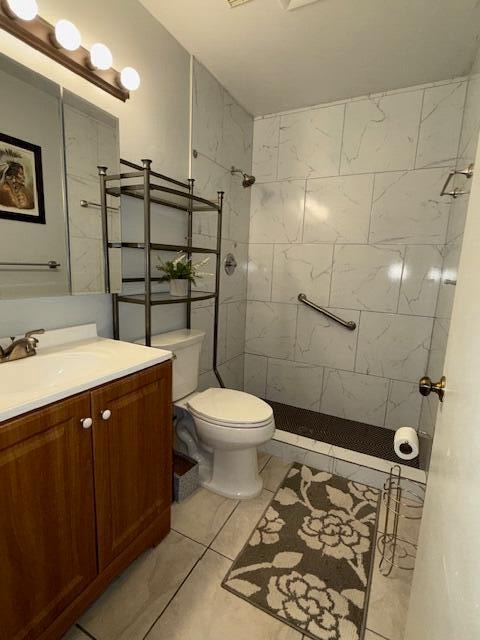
(346, 209)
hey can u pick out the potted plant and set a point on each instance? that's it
(179, 272)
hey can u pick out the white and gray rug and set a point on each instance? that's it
(308, 561)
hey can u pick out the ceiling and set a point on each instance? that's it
(274, 60)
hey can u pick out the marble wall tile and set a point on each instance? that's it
(83, 222)
(355, 396)
(438, 348)
(367, 277)
(207, 380)
(471, 123)
(270, 329)
(277, 212)
(338, 209)
(234, 288)
(428, 416)
(381, 133)
(202, 319)
(294, 383)
(237, 135)
(208, 113)
(260, 265)
(404, 405)
(210, 178)
(323, 342)
(239, 214)
(255, 375)
(408, 209)
(81, 144)
(310, 143)
(222, 332)
(86, 264)
(393, 346)
(236, 329)
(446, 295)
(232, 373)
(420, 280)
(305, 268)
(440, 126)
(266, 132)
(457, 218)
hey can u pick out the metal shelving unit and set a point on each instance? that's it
(147, 186)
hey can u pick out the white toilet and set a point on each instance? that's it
(221, 428)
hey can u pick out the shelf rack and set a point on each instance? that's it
(148, 185)
(401, 505)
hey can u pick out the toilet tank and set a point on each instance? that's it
(185, 345)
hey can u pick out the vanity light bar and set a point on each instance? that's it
(58, 44)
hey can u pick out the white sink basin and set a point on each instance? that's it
(48, 371)
(64, 369)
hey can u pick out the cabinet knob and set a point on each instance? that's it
(106, 414)
(86, 423)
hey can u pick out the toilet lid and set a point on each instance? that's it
(226, 406)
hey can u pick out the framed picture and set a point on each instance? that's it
(21, 181)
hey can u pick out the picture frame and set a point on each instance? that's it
(21, 181)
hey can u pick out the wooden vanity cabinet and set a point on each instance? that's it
(78, 504)
(132, 458)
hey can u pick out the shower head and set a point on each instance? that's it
(247, 180)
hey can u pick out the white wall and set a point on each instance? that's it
(154, 123)
(347, 209)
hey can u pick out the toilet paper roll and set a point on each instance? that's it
(405, 443)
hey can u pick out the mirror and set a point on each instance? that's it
(51, 142)
(91, 140)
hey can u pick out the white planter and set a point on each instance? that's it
(179, 288)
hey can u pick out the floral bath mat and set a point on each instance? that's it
(309, 559)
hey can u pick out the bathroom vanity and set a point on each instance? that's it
(85, 478)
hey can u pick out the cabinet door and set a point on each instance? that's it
(132, 451)
(47, 518)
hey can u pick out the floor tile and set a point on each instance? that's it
(130, 606)
(263, 458)
(202, 515)
(274, 472)
(76, 634)
(240, 525)
(371, 635)
(388, 606)
(202, 610)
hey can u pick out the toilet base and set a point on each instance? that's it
(234, 474)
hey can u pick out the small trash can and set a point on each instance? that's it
(186, 478)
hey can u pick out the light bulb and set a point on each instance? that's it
(67, 35)
(23, 9)
(101, 56)
(130, 78)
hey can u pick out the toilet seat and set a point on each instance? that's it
(230, 408)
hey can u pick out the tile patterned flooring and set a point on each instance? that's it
(173, 592)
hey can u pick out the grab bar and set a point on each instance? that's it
(468, 173)
(51, 264)
(348, 324)
(86, 204)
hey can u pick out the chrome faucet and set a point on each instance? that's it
(21, 348)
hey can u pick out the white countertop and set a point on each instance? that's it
(69, 361)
